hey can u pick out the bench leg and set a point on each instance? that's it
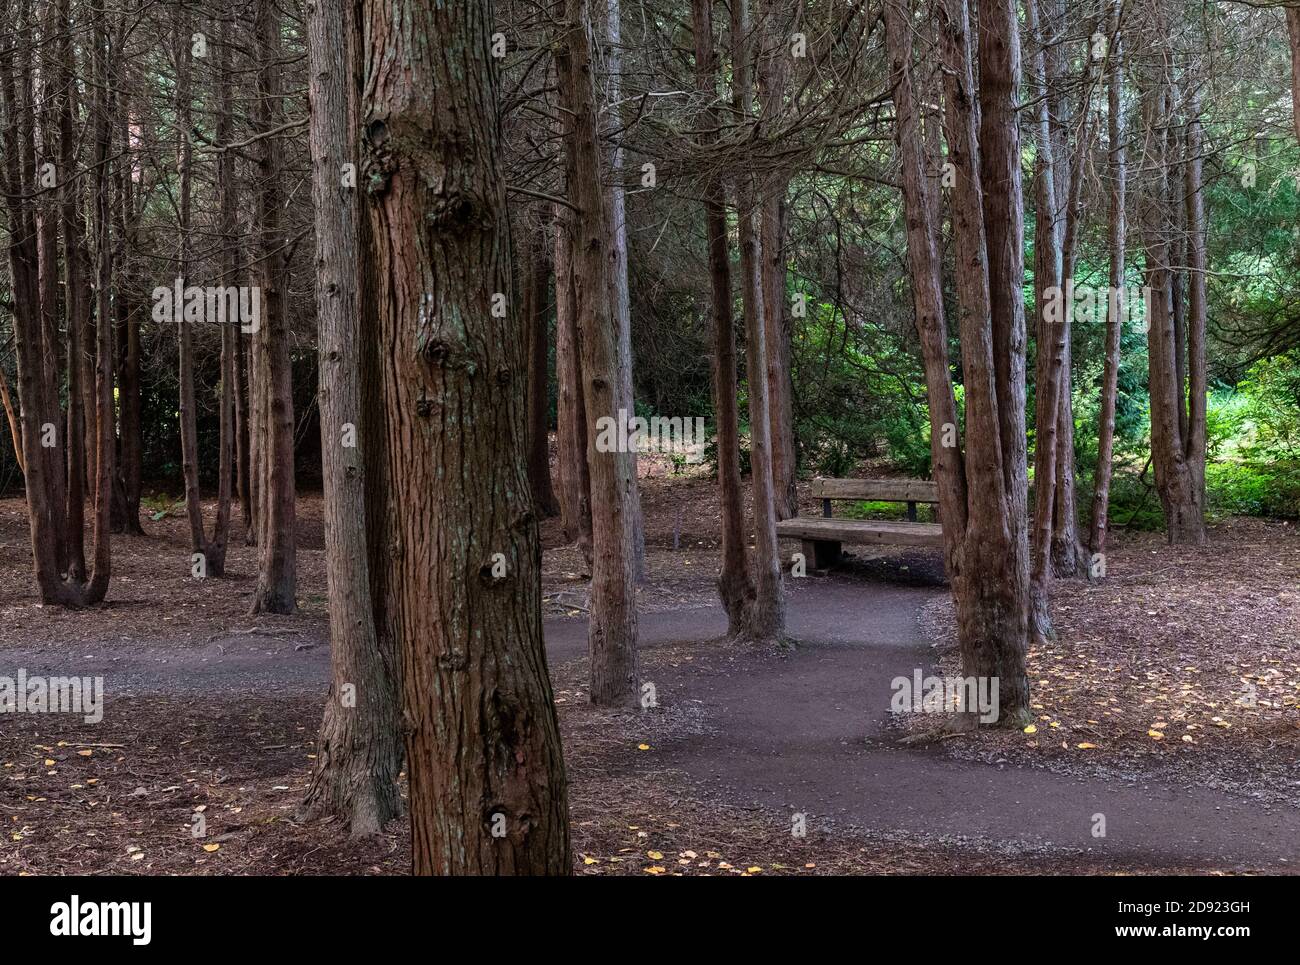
(821, 554)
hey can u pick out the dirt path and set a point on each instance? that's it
(804, 732)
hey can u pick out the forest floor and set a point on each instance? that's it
(211, 712)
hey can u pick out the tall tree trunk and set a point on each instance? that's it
(1115, 304)
(735, 586)
(359, 752)
(107, 51)
(571, 408)
(1049, 285)
(277, 554)
(1293, 34)
(36, 344)
(464, 590)
(773, 79)
(612, 638)
(1194, 447)
(620, 299)
(1181, 493)
(127, 321)
(767, 621)
(925, 267)
(535, 318)
(991, 579)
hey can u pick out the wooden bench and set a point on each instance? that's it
(822, 536)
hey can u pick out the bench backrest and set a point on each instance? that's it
(885, 490)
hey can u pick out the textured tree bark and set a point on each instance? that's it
(1051, 337)
(535, 318)
(620, 299)
(774, 77)
(359, 750)
(1194, 199)
(767, 621)
(925, 267)
(1114, 317)
(991, 579)
(735, 586)
(1293, 34)
(15, 427)
(571, 408)
(612, 639)
(462, 578)
(1173, 457)
(277, 550)
(36, 344)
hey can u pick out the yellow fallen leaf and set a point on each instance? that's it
(209, 848)
(643, 747)
(1031, 729)
(754, 870)
(1155, 735)
(1085, 746)
(654, 855)
(49, 762)
(589, 860)
(654, 870)
(85, 753)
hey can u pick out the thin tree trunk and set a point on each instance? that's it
(359, 750)
(535, 318)
(767, 621)
(1116, 302)
(277, 563)
(735, 585)
(571, 408)
(925, 267)
(1293, 34)
(620, 299)
(774, 76)
(127, 323)
(1195, 442)
(1049, 289)
(1181, 494)
(464, 592)
(612, 637)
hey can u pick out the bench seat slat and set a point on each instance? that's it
(861, 531)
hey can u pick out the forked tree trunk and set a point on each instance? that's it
(735, 585)
(1117, 301)
(272, 374)
(991, 577)
(36, 344)
(767, 621)
(463, 595)
(359, 750)
(1179, 466)
(612, 637)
